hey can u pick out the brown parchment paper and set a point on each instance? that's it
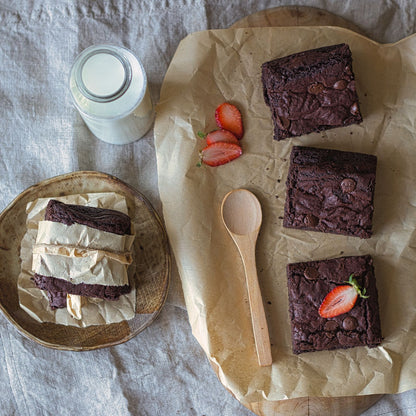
(215, 66)
(105, 262)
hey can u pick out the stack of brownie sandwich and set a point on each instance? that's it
(329, 191)
(111, 223)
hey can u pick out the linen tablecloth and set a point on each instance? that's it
(162, 371)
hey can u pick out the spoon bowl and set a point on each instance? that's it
(242, 217)
(241, 212)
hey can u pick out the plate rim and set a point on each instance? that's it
(168, 257)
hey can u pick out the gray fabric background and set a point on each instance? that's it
(162, 371)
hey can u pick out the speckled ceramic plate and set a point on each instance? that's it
(152, 281)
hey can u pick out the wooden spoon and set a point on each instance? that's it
(241, 214)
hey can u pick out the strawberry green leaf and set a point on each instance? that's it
(361, 291)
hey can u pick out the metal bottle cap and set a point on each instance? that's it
(103, 75)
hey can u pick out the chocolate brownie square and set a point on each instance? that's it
(331, 191)
(309, 283)
(311, 91)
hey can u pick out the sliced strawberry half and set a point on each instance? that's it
(341, 299)
(220, 153)
(228, 117)
(221, 136)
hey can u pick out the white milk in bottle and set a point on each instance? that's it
(109, 88)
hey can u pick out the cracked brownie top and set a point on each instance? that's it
(311, 91)
(330, 191)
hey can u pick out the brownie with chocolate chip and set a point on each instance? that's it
(311, 91)
(330, 191)
(309, 283)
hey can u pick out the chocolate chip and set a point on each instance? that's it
(311, 273)
(330, 326)
(340, 85)
(283, 122)
(332, 200)
(315, 88)
(348, 185)
(349, 323)
(354, 109)
(310, 220)
(351, 86)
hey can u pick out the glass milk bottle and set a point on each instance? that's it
(109, 88)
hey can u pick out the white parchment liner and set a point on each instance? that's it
(96, 266)
(78, 265)
(224, 65)
(79, 235)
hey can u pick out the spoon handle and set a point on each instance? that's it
(258, 317)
